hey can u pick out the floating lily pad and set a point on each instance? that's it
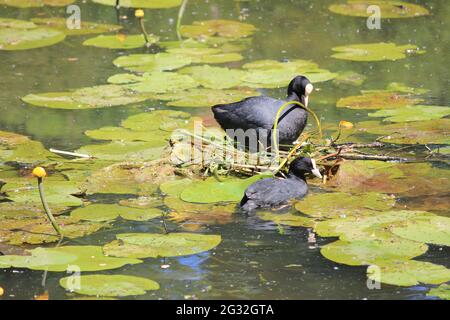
(221, 28)
(123, 179)
(149, 4)
(120, 41)
(152, 62)
(147, 245)
(123, 151)
(288, 219)
(434, 230)
(409, 273)
(422, 132)
(56, 100)
(36, 3)
(161, 82)
(367, 252)
(374, 51)
(206, 55)
(443, 292)
(86, 27)
(215, 77)
(107, 212)
(378, 100)
(340, 204)
(108, 285)
(388, 9)
(61, 259)
(122, 134)
(211, 190)
(199, 214)
(15, 23)
(403, 88)
(155, 120)
(205, 97)
(143, 202)
(24, 39)
(412, 113)
(349, 78)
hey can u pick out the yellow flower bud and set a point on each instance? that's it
(345, 124)
(139, 13)
(39, 172)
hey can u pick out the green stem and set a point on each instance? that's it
(47, 209)
(144, 32)
(277, 118)
(180, 17)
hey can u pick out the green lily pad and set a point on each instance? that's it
(200, 98)
(403, 88)
(107, 212)
(388, 9)
(206, 55)
(122, 134)
(339, 204)
(409, 273)
(156, 120)
(24, 39)
(123, 151)
(61, 259)
(215, 77)
(378, 100)
(434, 229)
(221, 28)
(422, 132)
(412, 113)
(174, 187)
(349, 78)
(161, 82)
(147, 245)
(374, 51)
(123, 179)
(108, 285)
(56, 100)
(36, 3)
(142, 202)
(15, 23)
(152, 62)
(443, 292)
(287, 219)
(120, 41)
(148, 4)
(211, 190)
(86, 27)
(367, 252)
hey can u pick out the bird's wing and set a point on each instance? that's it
(271, 191)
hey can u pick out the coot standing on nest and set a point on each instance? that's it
(260, 112)
(276, 192)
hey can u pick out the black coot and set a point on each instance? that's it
(276, 192)
(259, 113)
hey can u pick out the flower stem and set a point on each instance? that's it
(47, 209)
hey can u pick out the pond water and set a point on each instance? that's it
(256, 259)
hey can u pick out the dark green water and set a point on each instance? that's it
(287, 29)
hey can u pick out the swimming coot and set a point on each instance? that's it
(276, 192)
(259, 113)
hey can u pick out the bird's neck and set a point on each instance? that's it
(292, 96)
(296, 177)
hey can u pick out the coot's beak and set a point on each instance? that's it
(308, 89)
(315, 171)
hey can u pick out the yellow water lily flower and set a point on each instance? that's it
(345, 124)
(139, 13)
(39, 172)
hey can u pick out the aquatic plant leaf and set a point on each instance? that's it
(221, 28)
(412, 113)
(389, 9)
(60, 259)
(433, 229)
(123, 179)
(214, 77)
(15, 23)
(422, 132)
(349, 78)
(152, 62)
(148, 4)
(174, 187)
(156, 120)
(374, 51)
(378, 100)
(205, 97)
(153, 139)
(368, 252)
(123, 151)
(403, 88)
(339, 204)
(36, 3)
(211, 190)
(219, 58)
(24, 39)
(443, 292)
(56, 100)
(108, 285)
(205, 54)
(107, 212)
(147, 245)
(161, 82)
(119, 41)
(124, 78)
(143, 202)
(409, 273)
(86, 27)
(288, 219)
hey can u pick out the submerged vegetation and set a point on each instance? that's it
(162, 181)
